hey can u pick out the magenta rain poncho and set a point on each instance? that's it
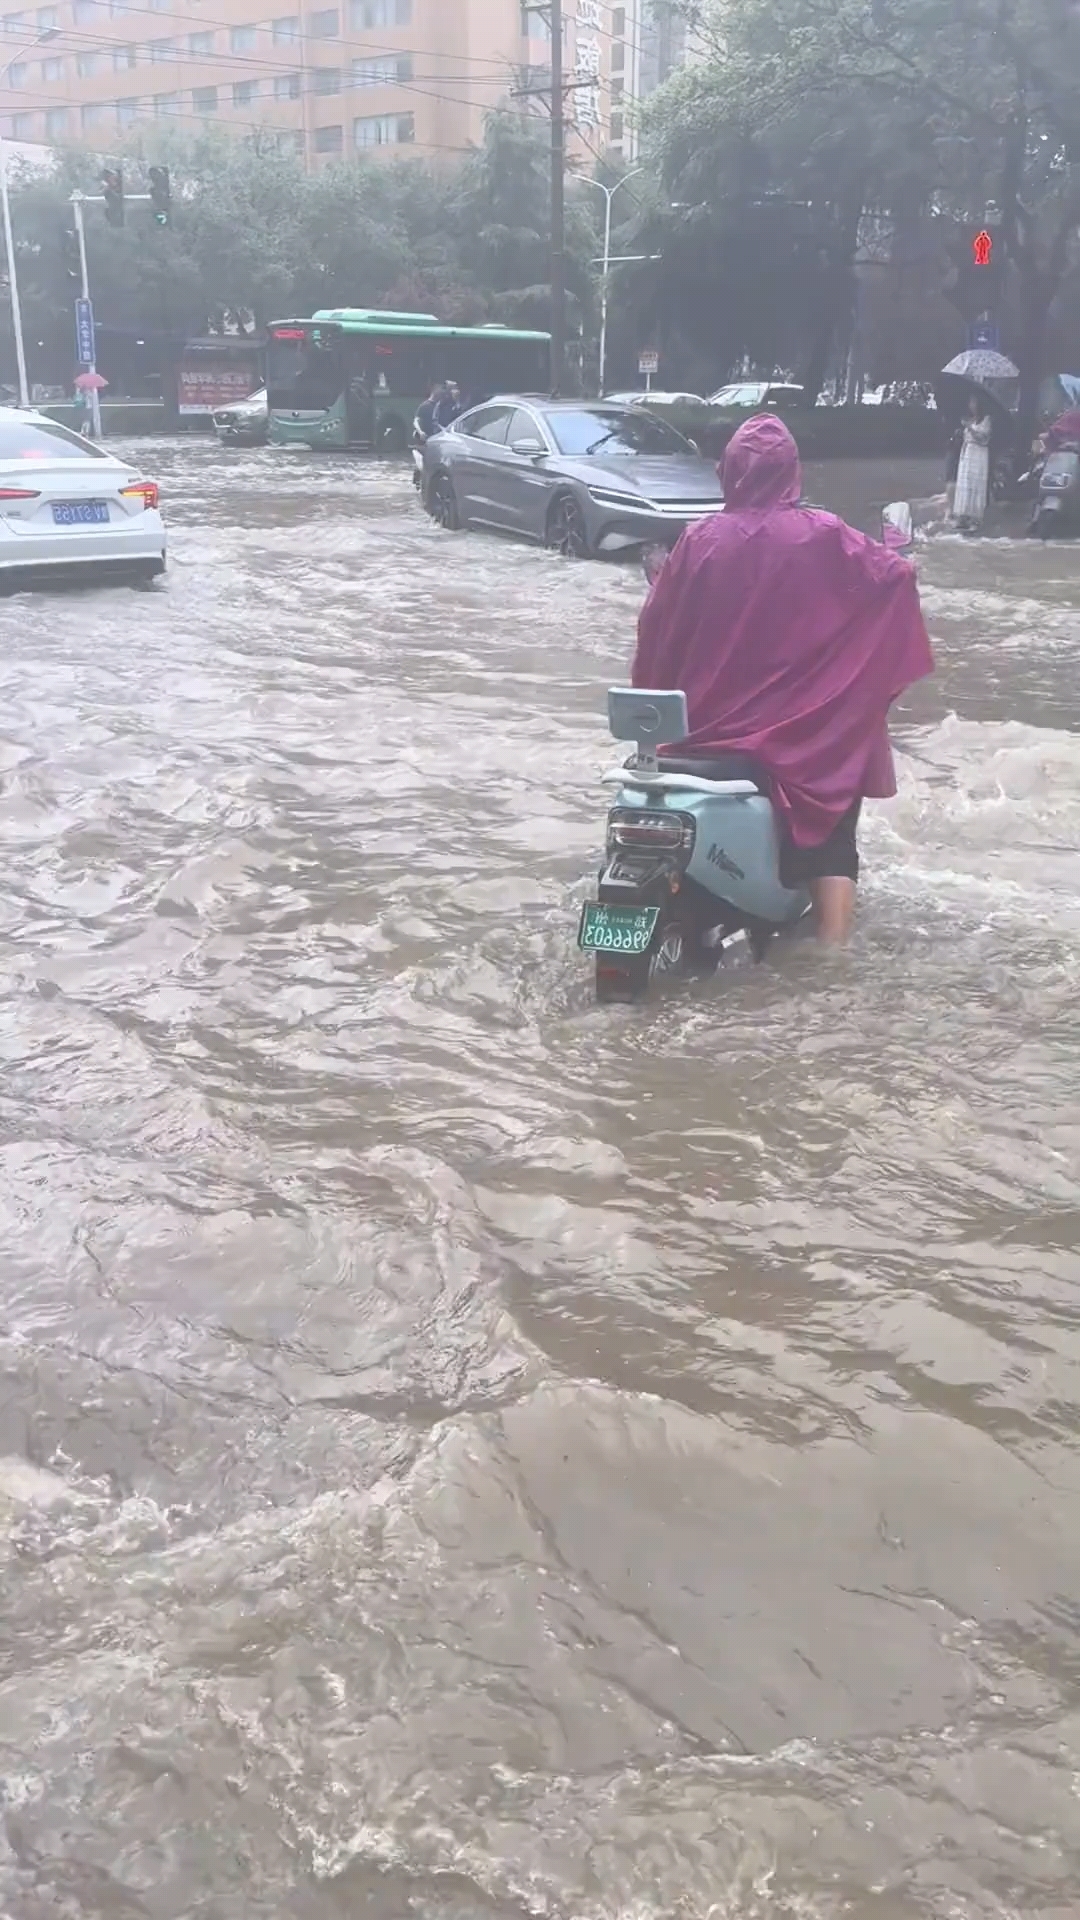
(791, 635)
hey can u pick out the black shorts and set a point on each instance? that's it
(837, 858)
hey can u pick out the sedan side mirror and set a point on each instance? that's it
(528, 449)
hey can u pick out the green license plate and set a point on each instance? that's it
(616, 929)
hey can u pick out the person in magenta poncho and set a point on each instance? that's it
(791, 635)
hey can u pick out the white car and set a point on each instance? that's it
(651, 397)
(70, 509)
(756, 393)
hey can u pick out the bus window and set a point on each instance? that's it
(303, 368)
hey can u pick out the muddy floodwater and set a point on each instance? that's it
(468, 1455)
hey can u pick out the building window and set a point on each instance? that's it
(618, 57)
(616, 90)
(244, 92)
(48, 19)
(324, 24)
(162, 52)
(241, 39)
(167, 103)
(368, 14)
(200, 43)
(294, 139)
(123, 57)
(386, 70)
(52, 69)
(83, 12)
(22, 126)
(125, 112)
(14, 23)
(618, 23)
(328, 140)
(87, 64)
(384, 130)
(287, 28)
(616, 128)
(204, 99)
(327, 79)
(287, 86)
(16, 75)
(56, 123)
(92, 114)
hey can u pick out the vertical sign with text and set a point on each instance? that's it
(84, 333)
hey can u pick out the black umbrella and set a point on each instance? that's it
(952, 391)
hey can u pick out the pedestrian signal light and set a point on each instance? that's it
(982, 248)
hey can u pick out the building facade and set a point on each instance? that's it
(376, 77)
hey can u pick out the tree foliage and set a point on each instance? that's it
(808, 115)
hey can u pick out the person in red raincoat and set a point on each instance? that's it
(791, 635)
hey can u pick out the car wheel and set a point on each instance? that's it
(566, 532)
(442, 503)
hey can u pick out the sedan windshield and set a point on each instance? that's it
(592, 429)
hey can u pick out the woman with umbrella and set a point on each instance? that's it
(973, 470)
(974, 391)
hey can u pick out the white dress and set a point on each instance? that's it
(973, 473)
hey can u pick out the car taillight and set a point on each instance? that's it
(659, 831)
(147, 488)
(19, 493)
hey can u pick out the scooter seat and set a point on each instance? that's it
(715, 766)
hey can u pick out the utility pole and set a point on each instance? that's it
(558, 201)
(95, 399)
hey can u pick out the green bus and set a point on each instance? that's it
(354, 376)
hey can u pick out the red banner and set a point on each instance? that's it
(203, 389)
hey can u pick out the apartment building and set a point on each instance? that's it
(360, 76)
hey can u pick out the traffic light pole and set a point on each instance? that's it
(78, 202)
(95, 403)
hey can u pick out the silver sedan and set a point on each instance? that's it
(581, 476)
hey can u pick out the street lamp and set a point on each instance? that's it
(47, 33)
(609, 195)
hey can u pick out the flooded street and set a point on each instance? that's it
(466, 1454)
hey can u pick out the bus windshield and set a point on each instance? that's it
(303, 367)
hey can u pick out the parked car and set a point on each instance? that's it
(71, 509)
(246, 423)
(577, 475)
(757, 394)
(651, 398)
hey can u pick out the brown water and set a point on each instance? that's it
(471, 1454)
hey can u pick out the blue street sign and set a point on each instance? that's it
(84, 332)
(984, 333)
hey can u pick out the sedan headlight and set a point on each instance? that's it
(611, 497)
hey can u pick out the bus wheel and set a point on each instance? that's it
(442, 503)
(393, 438)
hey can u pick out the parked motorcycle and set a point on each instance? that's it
(1057, 503)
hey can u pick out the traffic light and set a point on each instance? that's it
(159, 195)
(69, 244)
(974, 282)
(112, 182)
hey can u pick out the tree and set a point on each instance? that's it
(984, 93)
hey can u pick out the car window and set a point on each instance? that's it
(581, 430)
(487, 423)
(523, 427)
(44, 440)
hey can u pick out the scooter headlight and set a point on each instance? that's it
(650, 832)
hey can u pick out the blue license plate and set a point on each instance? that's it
(80, 513)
